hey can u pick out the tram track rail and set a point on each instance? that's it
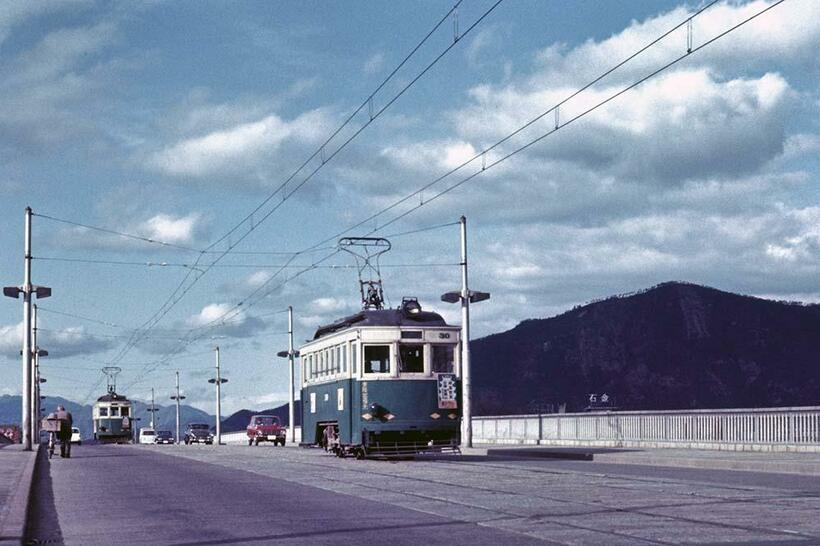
(324, 474)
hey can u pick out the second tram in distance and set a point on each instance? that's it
(382, 383)
(113, 419)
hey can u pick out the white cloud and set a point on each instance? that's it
(238, 147)
(62, 343)
(164, 227)
(225, 319)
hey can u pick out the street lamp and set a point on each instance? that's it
(466, 297)
(290, 354)
(218, 381)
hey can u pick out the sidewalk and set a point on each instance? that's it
(751, 461)
(16, 473)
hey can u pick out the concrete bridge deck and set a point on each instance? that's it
(269, 495)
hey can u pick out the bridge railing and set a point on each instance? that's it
(769, 429)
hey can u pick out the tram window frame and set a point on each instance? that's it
(366, 362)
(419, 364)
(103, 412)
(354, 361)
(433, 362)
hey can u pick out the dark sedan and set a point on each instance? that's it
(164, 437)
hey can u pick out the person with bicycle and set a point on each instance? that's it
(66, 420)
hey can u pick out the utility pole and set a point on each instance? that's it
(291, 355)
(152, 409)
(466, 407)
(27, 290)
(177, 398)
(35, 372)
(218, 380)
(466, 297)
(291, 416)
(27, 334)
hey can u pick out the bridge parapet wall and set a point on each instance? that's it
(753, 429)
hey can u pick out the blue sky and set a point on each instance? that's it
(172, 121)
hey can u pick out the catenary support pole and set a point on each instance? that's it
(35, 381)
(152, 410)
(466, 410)
(291, 414)
(177, 399)
(27, 289)
(218, 401)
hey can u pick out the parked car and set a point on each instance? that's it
(147, 435)
(75, 436)
(198, 433)
(163, 437)
(266, 428)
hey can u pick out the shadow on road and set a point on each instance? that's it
(42, 524)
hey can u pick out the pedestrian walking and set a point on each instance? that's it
(66, 421)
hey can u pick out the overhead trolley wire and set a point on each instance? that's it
(690, 50)
(522, 128)
(179, 292)
(118, 233)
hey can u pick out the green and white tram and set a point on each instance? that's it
(113, 419)
(383, 382)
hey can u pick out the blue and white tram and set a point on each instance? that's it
(381, 383)
(113, 419)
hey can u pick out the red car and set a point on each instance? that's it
(266, 428)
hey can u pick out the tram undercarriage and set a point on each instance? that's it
(389, 444)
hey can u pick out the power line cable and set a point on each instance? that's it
(610, 98)
(179, 292)
(118, 233)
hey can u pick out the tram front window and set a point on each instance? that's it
(411, 358)
(376, 359)
(124, 411)
(103, 412)
(115, 412)
(443, 358)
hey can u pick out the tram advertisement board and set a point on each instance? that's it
(447, 391)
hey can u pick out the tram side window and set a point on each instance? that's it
(115, 412)
(103, 412)
(443, 358)
(411, 358)
(343, 353)
(353, 359)
(124, 412)
(377, 358)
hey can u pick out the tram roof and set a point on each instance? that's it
(382, 317)
(112, 397)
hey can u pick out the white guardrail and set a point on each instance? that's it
(770, 429)
(241, 437)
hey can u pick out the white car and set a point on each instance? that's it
(147, 436)
(75, 436)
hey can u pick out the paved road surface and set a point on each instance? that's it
(132, 495)
(560, 502)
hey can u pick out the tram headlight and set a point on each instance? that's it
(435, 415)
(367, 416)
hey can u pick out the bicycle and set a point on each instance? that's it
(52, 441)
